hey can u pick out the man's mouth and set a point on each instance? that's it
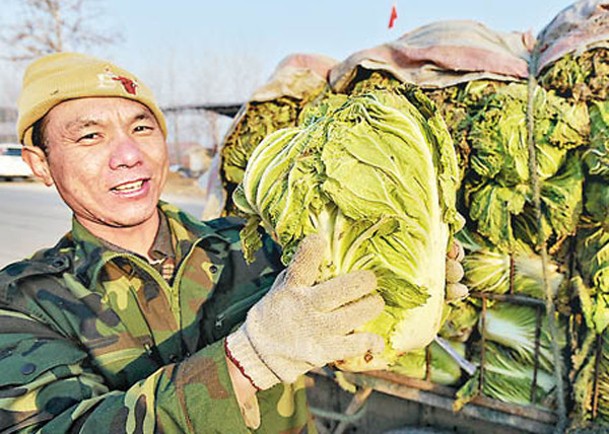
(129, 186)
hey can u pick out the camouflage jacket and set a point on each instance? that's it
(93, 340)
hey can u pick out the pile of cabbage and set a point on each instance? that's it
(573, 63)
(388, 159)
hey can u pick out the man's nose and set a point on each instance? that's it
(126, 152)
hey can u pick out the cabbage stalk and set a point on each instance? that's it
(376, 175)
(443, 369)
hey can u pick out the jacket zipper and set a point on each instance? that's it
(172, 292)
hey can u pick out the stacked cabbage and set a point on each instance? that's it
(498, 192)
(368, 163)
(513, 345)
(590, 366)
(573, 62)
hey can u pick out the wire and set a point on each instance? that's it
(549, 296)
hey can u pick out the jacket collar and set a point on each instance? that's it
(91, 253)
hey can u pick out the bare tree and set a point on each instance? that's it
(50, 26)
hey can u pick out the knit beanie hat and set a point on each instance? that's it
(58, 77)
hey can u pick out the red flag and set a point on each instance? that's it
(393, 16)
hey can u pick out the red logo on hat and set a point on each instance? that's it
(129, 85)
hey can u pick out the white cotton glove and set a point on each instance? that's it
(300, 325)
(455, 290)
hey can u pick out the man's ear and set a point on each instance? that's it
(37, 160)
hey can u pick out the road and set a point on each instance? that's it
(33, 216)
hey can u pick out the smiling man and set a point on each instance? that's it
(111, 168)
(141, 318)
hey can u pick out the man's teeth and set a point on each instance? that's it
(130, 186)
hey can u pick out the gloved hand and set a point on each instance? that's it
(455, 290)
(300, 325)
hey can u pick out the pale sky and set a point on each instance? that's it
(274, 28)
(234, 45)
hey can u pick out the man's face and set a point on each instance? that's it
(108, 159)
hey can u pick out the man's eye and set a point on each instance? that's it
(141, 128)
(90, 136)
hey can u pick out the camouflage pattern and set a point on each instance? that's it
(93, 340)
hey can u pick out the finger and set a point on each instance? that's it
(358, 345)
(456, 291)
(353, 315)
(456, 251)
(304, 268)
(454, 271)
(343, 289)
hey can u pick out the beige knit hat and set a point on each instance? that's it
(58, 77)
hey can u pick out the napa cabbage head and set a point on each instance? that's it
(518, 365)
(375, 174)
(499, 134)
(489, 270)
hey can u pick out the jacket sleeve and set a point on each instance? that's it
(47, 385)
